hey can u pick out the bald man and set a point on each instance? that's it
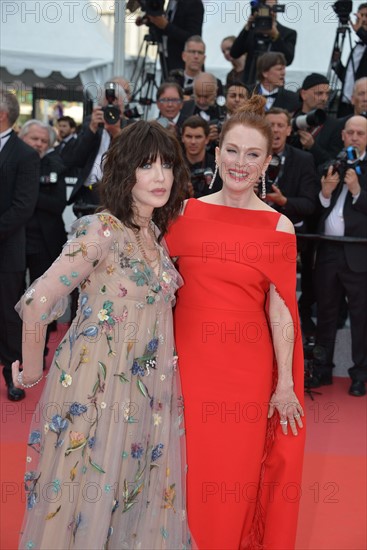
(341, 267)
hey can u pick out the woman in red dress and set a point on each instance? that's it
(240, 352)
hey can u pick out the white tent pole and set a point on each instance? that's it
(119, 38)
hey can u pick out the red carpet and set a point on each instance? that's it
(333, 502)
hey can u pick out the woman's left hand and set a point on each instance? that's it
(285, 401)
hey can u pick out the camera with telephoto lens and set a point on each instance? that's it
(200, 179)
(314, 118)
(347, 158)
(343, 9)
(111, 112)
(263, 15)
(150, 7)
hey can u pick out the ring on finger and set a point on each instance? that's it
(297, 415)
(284, 422)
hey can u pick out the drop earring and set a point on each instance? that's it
(214, 176)
(263, 187)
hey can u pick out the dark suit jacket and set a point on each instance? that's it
(298, 182)
(285, 99)
(187, 21)
(47, 217)
(19, 177)
(247, 42)
(355, 219)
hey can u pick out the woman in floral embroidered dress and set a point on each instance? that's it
(106, 456)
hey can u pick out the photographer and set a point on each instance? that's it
(195, 137)
(341, 266)
(291, 177)
(271, 69)
(207, 104)
(356, 66)
(321, 135)
(263, 35)
(182, 19)
(99, 129)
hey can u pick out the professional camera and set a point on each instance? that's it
(314, 118)
(150, 7)
(132, 111)
(347, 158)
(111, 112)
(200, 179)
(343, 9)
(272, 173)
(263, 15)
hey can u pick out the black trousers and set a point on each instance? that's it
(333, 277)
(11, 290)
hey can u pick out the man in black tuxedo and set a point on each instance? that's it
(255, 42)
(271, 68)
(19, 176)
(66, 127)
(183, 18)
(292, 180)
(195, 137)
(324, 140)
(342, 266)
(207, 105)
(356, 66)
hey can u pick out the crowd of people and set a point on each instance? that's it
(223, 165)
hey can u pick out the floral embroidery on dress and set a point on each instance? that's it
(115, 370)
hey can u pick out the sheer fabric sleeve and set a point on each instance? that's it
(46, 299)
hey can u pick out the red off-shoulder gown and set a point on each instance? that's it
(244, 475)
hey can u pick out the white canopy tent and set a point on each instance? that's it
(65, 37)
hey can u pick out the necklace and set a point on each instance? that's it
(152, 262)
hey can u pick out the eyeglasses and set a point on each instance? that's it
(193, 52)
(170, 100)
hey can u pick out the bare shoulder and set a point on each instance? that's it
(285, 225)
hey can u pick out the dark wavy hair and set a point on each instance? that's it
(139, 143)
(252, 115)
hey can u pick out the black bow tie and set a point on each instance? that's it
(270, 95)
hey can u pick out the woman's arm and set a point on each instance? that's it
(46, 299)
(284, 400)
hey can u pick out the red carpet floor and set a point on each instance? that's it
(333, 495)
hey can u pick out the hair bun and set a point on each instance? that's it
(255, 104)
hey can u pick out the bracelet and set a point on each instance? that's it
(27, 386)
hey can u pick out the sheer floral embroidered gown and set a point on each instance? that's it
(105, 453)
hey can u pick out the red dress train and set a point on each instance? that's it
(244, 475)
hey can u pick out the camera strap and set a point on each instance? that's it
(316, 130)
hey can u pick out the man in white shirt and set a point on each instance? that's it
(341, 264)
